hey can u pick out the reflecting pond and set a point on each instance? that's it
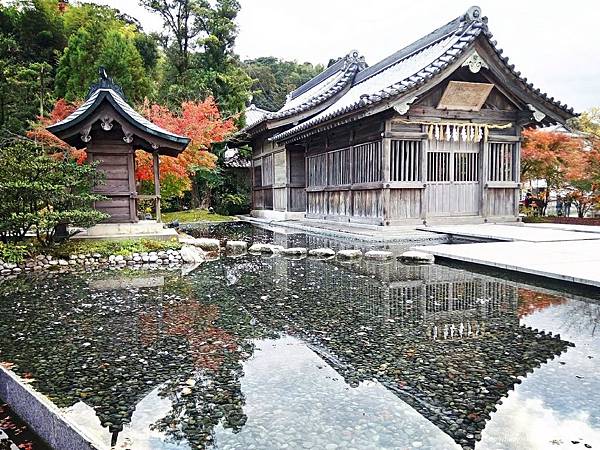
(267, 353)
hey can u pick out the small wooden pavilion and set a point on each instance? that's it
(111, 130)
(431, 133)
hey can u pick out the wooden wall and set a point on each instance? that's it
(116, 161)
(383, 170)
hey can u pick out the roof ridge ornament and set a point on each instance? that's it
(105, 82)
(473, 14)
(475, 62)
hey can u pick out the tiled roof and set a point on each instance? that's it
(254, 114)
(411, 67)
(326, 85)
(133, 117)
(233, 159)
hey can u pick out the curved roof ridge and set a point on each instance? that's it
(465, 36)
(322, 76)
(135, 119)
(417, 46)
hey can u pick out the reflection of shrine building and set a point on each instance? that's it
(445, 341)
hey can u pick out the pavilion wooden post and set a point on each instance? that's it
(156, 168)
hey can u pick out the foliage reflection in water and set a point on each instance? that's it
(258, 352)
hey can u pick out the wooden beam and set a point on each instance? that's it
(156, 169)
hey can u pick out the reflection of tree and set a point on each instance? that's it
(213, 393)
(585, 318)
(533, 301)
(109, 348)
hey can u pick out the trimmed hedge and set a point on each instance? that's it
(563, 220)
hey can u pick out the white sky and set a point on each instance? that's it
(554, 43)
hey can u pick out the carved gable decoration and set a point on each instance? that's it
(465, 96)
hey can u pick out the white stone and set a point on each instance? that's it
(321, 252)
(414, 256)
(349, 254)
(379, 255)
(152, 257)
(62, 262)
(186, 391)
(294, 251)
(119, 258)
(265, 248)
(191, 254)
(208, 245)
(236, 247)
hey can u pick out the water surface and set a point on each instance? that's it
(267, 353)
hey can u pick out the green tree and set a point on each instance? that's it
(117, 52)
(41, 193)
(198, 42)
(31, 37)
(274, 78)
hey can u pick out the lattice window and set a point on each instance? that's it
(367, 162)
(338, 167)
(502, 162)
(438, 166)
(466, 166)
(405, 164)
(267, 170)
(317, 170)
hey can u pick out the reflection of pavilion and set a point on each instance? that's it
(445, 341)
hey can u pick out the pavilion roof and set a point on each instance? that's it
(400, 74)
(107, 92)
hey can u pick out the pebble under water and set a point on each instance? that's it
(258, 352)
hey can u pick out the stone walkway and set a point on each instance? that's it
(370, 233)
(561, 254)
(517, 232)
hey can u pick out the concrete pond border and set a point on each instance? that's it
(42, 416)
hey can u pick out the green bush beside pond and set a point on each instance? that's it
(195, 215)
(107, 248)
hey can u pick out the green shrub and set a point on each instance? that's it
(106, 248)
(231, 204)
(42, 194)
(14, 253)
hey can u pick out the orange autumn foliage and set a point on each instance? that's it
(40, 134)
(199, 121)
(553, 156)
(532, 301)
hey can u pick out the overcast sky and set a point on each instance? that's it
(555, 44)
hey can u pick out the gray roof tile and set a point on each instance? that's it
(410, 67)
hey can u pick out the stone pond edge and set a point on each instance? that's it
(42, 416)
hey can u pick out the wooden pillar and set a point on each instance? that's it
(517, 170)
(423, 172)
(386, 145)
(484, 177)
(156, 168)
